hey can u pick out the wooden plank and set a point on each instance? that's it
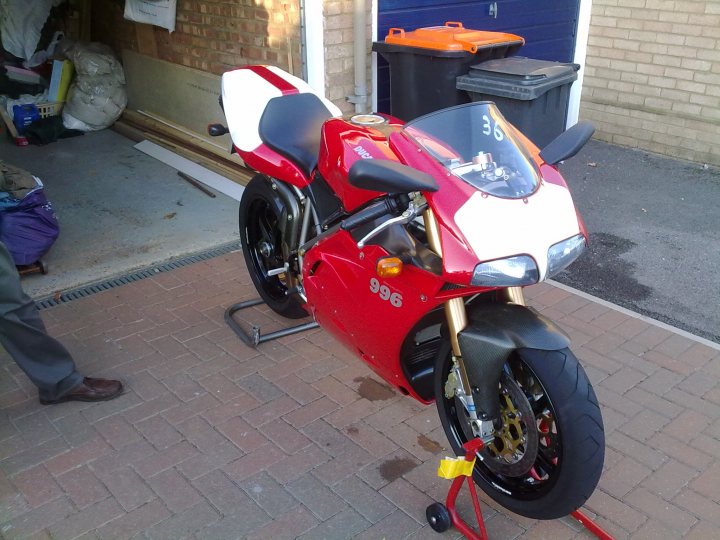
(184, 96)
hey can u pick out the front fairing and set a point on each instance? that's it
(504, 204)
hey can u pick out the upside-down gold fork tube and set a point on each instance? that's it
(455, 308)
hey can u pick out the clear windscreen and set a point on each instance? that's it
(476, 144)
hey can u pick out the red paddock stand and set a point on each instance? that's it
(443, 516)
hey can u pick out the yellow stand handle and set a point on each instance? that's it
(453, 467)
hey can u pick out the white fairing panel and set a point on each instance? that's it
(245, 95)
(498, 228)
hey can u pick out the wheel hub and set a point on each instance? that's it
(265, 249)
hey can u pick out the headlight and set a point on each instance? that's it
(562, 254)
(510, 272)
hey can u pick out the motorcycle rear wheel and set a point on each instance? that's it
(546, 467)
(261, 210)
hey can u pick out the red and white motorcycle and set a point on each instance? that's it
(410, 244)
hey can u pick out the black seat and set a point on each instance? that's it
(291, 124)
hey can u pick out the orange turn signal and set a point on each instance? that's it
(389, 267)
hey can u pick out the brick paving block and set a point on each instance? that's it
(605, 343)
(36, 428)
(644, 425)
(352, 413)
(602, 362)
(675, 345)
(361, 497)
(236, 526)
(285, 436)
(203, 347)
(276, 350)
(297, 464)
(200, 433)
(114, 460)
(117, 431)
(407, 498)
(669, 479)
(183, 525)
(388, 468)
(316, 496)
(76, 457)
(195, 330)
(271, 411)
(37, 486)
(209, 459)
(701, 531)
(370, 439)
(158, 432)
(397, 525)
(681, 451)
(260, 388)
(134, 347)
(420, 446)
(86, 520)
(104, 409)
(687, 425)
(173, 366)
(242, 434)
(673, 364)
(321, 368)
(659, 510)
(162, 460)
(610, 398)
(707, 482)
(310, 412)
(621, 381)
(425, 420)
(253, 462)
(190, 409)
(699, 405)
(698, 383)
(698, 505)
(145, 385)
(240, 404)
(245, 368)
(225, 496)
(30, 457)
(335, 390)
(268, 494)
(128, 488)
(209, 376)
(147, 409)
(350, 460)
(175, 491)
(555, 529)
(653, 530)
(661, 381)
(38, 518)
(615, 510)
(183, 386)
(654, 402)
(624, 476)
(135, 522)
(287, 526)
(83, 487)
(345, 525)
(297, 389)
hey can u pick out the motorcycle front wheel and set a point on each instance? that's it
(261, 210)
(549, 446)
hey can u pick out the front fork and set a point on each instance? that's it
(456, 317)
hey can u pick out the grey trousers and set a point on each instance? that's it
(22, 333)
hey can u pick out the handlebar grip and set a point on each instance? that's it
(383, 208)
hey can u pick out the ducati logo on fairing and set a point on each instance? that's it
(360, 151)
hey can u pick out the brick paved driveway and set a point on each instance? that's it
(298, 439)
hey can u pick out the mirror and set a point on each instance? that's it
(568, 143)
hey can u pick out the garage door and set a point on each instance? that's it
(548, 26)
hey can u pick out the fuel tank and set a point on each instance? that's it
(345, 141)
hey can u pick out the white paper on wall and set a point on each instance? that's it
(158, 12)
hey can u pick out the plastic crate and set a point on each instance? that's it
(49, 108)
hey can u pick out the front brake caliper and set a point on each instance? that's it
(454, 388)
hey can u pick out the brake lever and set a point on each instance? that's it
(406, 217)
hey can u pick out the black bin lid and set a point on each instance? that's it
(517, 77)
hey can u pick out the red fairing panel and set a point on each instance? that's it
(344, 143)
(337, 280)
(273, 164)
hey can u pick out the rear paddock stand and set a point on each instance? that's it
(442, 517)
(254, 337)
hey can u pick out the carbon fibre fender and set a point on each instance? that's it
(493, 332)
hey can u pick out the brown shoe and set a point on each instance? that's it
(90, 390)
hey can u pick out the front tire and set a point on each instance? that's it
(261, 210)
(549, 444)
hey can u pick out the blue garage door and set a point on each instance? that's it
(548, 26)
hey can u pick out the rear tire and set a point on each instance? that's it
(547, 467)
(261, 210)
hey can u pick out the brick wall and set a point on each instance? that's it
(339, 62)
(652, 77)
(215, 35)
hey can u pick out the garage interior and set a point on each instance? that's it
(119, 209)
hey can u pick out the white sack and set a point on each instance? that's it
(20, 24)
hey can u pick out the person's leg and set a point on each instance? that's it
(22, 333)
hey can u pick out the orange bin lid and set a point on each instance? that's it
(451, 37)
